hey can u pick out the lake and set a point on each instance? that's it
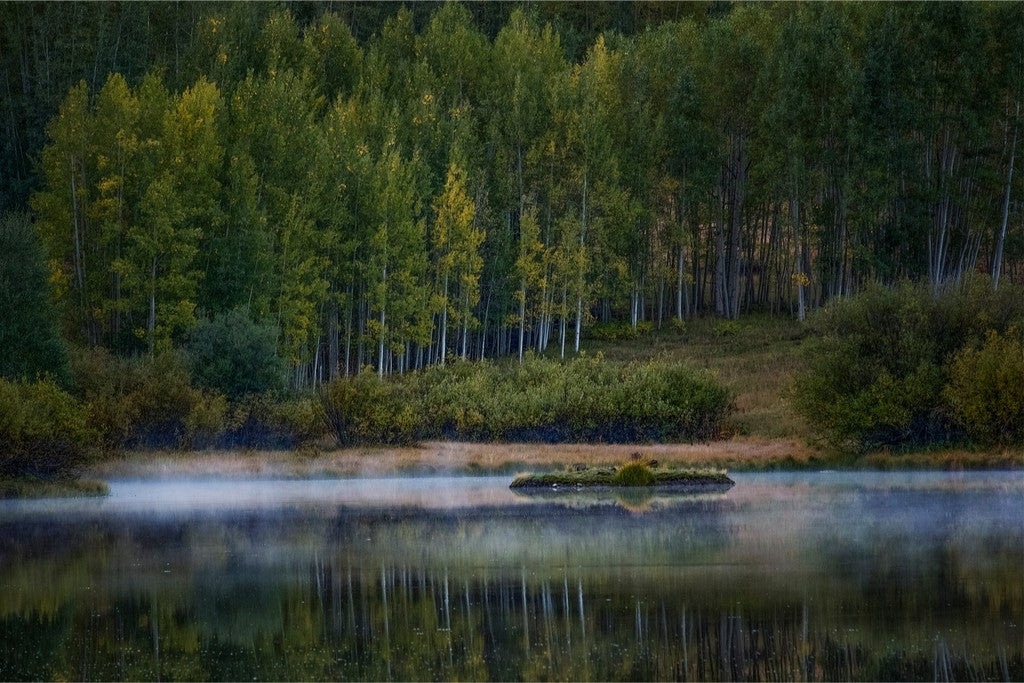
(832, 576)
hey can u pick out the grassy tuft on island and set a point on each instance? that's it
(631, 474)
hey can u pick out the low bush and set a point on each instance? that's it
(986, 389)
(262, 421)
(367, 409)
(587, 399)
(43, 430)
(145, 402)
(878, 364)
(152, 403)
(634, 474)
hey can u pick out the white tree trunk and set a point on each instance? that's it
(997, 261)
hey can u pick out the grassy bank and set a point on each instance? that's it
(739, 454)
(756, 358)
(31, 487)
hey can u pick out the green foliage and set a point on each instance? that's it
(986, 389)
(538, 400)
(634, 474)
(727, 328)
(30, 343)
(147, 402)
(232, 354)
(260, 420)
(879, 363)
(409, 178)
(619, 331)
(367, 409)
(153, 403)
(43, 430)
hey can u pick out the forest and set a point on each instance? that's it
(391, 186)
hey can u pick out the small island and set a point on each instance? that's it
(635, 473)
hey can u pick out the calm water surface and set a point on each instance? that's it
(786, 576)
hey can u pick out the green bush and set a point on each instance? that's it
(152, 403)
(146, 402)
(366, 409)
(206, 421)
(537, 400)
(43, 430)
(878, 363)
(235, 356)
(634, 474)
(105, 383)
(986, 390)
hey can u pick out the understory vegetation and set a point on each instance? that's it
(906, 367)
(587, 399)
(115, 404)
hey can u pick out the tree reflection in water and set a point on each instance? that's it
(760, 586)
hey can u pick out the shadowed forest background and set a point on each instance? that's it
(377, 183)
(209, 210)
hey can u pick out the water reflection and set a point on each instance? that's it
(785, 577)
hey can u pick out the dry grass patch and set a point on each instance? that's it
(756, 358)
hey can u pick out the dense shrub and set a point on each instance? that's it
(43, 430)
(152, 403)
(366, 409)
(235, 356)
(145, 402)
(537, 400)
(261, 420)
(986, 389)
(878, 363)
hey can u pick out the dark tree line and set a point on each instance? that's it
(393, 186)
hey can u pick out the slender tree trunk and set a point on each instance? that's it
(997, 260)
(483, 332)
(151, 323)
(561, 322)
(465, 325)
(679, 284)
(444, 322)
(348, 328)
(380, 356)
(333, 342)
(721, 257)
(581, 276)
(794, 207)
(76, 236)
(522, 319)
(737, 200)
(579, 322)
(361, 314)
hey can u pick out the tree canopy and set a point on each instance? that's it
(391, 186)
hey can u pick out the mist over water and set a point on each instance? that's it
(786, 576)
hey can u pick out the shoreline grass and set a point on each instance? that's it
(32, 487)
(739, 454)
